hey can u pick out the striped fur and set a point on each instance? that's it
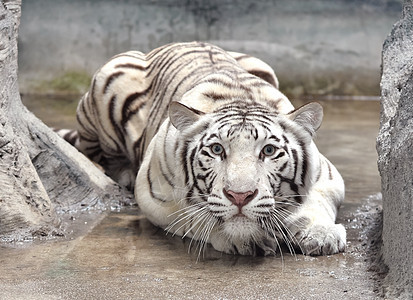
(218, 152)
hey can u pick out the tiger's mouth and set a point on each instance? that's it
(239, 217)
(240, 226)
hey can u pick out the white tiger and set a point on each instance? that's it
(220, 154)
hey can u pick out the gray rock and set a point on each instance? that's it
(41, 175)
(395, 149)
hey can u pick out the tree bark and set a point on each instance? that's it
(41, 176)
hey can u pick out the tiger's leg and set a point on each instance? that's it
(86, 140)
(256, 67)
(313, 225)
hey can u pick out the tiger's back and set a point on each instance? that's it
(130, 94)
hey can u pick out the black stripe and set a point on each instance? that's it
(93, 155)
(263, 75)
(81, 137)
(95, 112)
(154, 52)
(165, 150)
(130, 66)
(230, 118)
(295, 159)
(110, 79)
(304, 163)
(229, 85)
(273, 137)
(319, 172)
(137, 56)
(71, 137)
(330, 173)
(155, 108)
(293, 187)
(241, 57)
(94, 148)
(205, 176)
(166, 62)
(148, 178)
(165, 175)
(170, 63)
(92, 99)
(159, 97)
(217, 97)
(85, 113)
(205, 153)
(211, 57)
(118, 130)
(184, 161)
(127, 112)
(214, 135)
(209, 186)
(138, 144)
(189, 196)
(191, 165)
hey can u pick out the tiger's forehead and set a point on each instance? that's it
(244, 116)
(244, 107)
(248, 122)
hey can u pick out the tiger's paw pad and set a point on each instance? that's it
(322, 239)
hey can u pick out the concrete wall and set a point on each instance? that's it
(316, 46)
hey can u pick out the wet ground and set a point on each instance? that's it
(119, 255)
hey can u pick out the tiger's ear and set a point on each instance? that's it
(182, 116)
(308, 116)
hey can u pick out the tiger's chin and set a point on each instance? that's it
(240, 228)
(241, 235)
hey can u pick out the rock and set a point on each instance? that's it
(41, 176)
(395, 150)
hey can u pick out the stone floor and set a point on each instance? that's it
(119, 255)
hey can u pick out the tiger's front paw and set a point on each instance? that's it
(322, 239)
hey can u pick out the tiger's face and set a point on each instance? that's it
(246, 168)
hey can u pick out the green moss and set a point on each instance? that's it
(347, 82)
(72, 82)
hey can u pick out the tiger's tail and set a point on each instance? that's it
(89, 148)
(69, 135)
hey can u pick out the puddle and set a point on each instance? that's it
(124, 256)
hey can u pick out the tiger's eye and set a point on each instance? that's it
(268, 150)
(217, 149)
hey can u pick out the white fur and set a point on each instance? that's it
(311, 226)
(124, 126)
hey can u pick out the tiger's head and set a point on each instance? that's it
(246, 167)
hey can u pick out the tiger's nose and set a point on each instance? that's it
(240, 199)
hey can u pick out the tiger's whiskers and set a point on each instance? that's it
(199, 220)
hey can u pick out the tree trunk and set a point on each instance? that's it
(41, 176)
